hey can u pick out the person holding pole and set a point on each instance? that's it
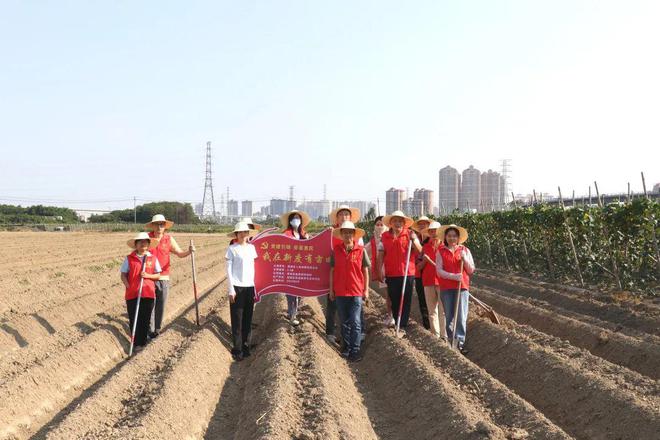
(240, 258)
(420, 227)
(349, 285)
(397, 244)
(338, 216)
(139, 272)
(454, 265)
(166, 245)
(372, 252)
(431, 281)
(294, 223)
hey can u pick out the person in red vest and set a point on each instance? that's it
(337, 216)
(372, 252)
(431, 281)
(166, 245)
(420, 227)
(294, 223)
(349, 286)
(132, 272)
(448, 266)
(392, 255)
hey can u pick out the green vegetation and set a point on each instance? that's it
(10, 214)
(178, 212)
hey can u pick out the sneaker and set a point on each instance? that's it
(295, 322)
(331, 339)
(463, 349)
(246, 351)
(154, 335)
(237, 356)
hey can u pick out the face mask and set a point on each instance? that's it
(295, 223)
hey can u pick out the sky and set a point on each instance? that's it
(101, 101)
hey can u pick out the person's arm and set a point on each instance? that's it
(443, 273)
(468, 262)
(379, 264)
(365, 273)
(428, 260)
(231, 293)
(157, 270)
(124, 272)
(176, 250)
(416, 244)
(124, 279)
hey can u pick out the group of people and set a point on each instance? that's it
(401, 253)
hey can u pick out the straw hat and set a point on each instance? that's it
(157, 219)
(462, 232)
(359, 233)
(434, 225)
(355, 213)
(408, 222)
(304, 217)
(250, 223)
(153, 242)
(241, 227)
(423, 218)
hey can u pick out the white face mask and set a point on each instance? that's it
(295, 223)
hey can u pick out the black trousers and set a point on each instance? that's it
(143, 319)
(241, 317)
(423, 309)
(330, 314)
(394, 286)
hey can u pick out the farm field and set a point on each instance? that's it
(565, 363)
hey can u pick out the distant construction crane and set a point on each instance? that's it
(208, 202)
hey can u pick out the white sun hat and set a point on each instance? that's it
(359, 232)
(153, 242)
(407, 220)
(160, 218)
(249, 221)
(240, 227)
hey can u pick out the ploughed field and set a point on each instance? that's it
(565, 363)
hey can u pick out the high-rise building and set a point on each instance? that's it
(470, 195)
(426, 198)
(316, 209)
(394, 200)
(491, 191)
(279, 206)
(413, 207)
(232, 208)
(362, 205)
(449, 188)
(246, 208)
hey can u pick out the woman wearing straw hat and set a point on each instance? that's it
(253, 226)
(392, 253)
(240, 258)
(338, 216)
(450, 258)
(294, 223)
(139, 272)
(420, 226)
(166, 245)
(431, 281)
(349, 285)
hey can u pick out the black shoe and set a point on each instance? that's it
(344, 354)
(246, 351)
(463, 349)
(354, 357)
(154, 335)
(237, 356)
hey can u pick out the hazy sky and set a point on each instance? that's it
(101, 101)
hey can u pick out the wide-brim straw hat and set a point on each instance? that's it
(153, 242)
(415, 225)
(304, 217)
(359, 232)
(241, 227)
(355, 213)
(408, 222)
(159, 218)
(462, 233)
(253, 225)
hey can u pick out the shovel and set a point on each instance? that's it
(494, 318)
(397, 331)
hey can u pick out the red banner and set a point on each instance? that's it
(294, 267)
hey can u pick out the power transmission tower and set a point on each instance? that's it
(208, 202)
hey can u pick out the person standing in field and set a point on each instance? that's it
(420, 226)
(140, 266)
(166, 245)
(431, 281)
(392, 253)
(349, 285)
(240, 258)
(372, 252)
(338, 216)
(294, 223)
(448, 266)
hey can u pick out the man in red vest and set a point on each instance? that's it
(167, 245)
(349, 285)
(392, 251)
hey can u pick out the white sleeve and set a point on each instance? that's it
(254, 252)
(157, 268)
(124, 266)
(469, 261)
(230, 282)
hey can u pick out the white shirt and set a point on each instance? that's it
(240, 265)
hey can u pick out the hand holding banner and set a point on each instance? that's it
(294, 267)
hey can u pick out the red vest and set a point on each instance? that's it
(429, 273)
(134, 271)
(374, 254)
(395, 254)
(452, 263)
(162, 252)
(347, 277)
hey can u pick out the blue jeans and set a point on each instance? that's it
(448, 298)
(350, 310)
